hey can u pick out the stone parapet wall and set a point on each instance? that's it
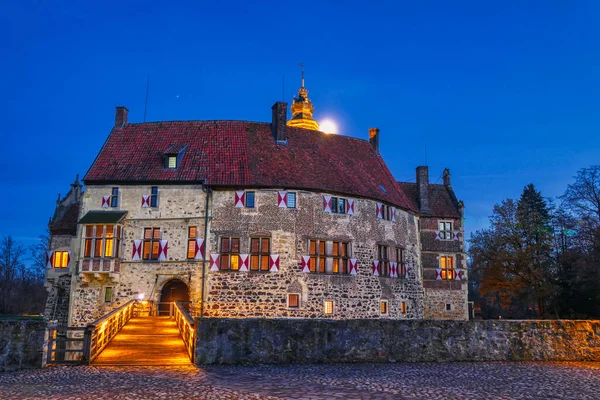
(280, 341)
(21, 344)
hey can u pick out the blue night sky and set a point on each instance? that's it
(502, 93)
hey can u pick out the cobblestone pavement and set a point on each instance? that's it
(465, 381)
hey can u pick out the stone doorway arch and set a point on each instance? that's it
(172, 291)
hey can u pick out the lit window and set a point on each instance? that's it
(447, 267)
(151, 243)
(384, 260)
(102, 241)
(154, 197)
(250, 196)
(403, 307)
(328, 307)
(260, 251)
(230, 254)
(60, 259)
(172, 162)
(114, 197)
(108, 294)
(293, 300)
(445, 228)
(192, 235)
(291, 200)
(384, 307)
(322, 252)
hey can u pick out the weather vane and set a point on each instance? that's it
(302, 66)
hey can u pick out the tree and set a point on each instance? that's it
(12, 267)
(37, 256)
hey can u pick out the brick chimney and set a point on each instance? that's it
(121, 117)
(446, 177)
(278, 123)
(374, 138)
(423, 189)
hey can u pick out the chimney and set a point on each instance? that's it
(423, 189)
(278, 123)
(374, 138)
(446, 177)
(121, 117)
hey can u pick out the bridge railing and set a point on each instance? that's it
(187, 327)
(99, 333)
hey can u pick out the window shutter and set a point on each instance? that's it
(405, 270)
(282, 199)
(240, 198)
(459, 274)
(438, 274)
(326, 203)
(145, 200)
(68, 258)
(105, 201)
(163, 247)
(379, 210)
(437, 235)
(393, 269)
(199, 249)
(274, 263)
(244, 262)
(353, 266)
(49, 255)
(305, 263)
(350, 210)
(214, 262)
(455, 235)
(375, 267)
(393, 214)
(137, 250)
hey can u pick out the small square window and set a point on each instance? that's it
(328, 307)
(249, 199)
(172, 162)
(445, 229)
(448, 307)
(384, 307)
(293, 300)
(108, 294)
(60, 259)
(291, 200)
(403, 307)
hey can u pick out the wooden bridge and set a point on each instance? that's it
(126, 337)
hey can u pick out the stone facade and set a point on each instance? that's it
(285, 341)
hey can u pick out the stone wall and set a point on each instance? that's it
(232, 341)
(21, 344)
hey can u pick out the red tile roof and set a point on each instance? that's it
(440, 199)
(244, 154)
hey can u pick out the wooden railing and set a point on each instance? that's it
(187, 328)
(99, 333)
(65, 346)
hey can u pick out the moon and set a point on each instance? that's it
(328, 126)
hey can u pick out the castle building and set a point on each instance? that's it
(252, 219)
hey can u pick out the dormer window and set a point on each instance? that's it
(172, 162)
(173, 155)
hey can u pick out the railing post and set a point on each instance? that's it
(87, 344)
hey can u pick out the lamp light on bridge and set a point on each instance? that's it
(141, 296)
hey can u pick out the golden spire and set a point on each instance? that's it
(302, 109)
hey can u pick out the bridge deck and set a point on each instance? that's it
(146, 341)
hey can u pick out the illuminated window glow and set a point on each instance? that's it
(328, 307)
(293, 300)
(60, 259)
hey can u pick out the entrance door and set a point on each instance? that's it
(174, 290)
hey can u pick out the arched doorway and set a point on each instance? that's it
(172, 291)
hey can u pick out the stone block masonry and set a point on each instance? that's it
(282, 341)
(21, 344)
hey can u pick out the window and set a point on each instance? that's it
(293, 300)
(400, 260)
(328, 256)
(154, 196)
(403, 307)
(191, 247)
(230, 254)
(151, 243)
(114, 197)
(328, 307)
(448, 307)
(260, 250)
(384, 307)
(384, 260)
(387, 212)
(445, 228)
(108, 294)
(60, 259)
(291, 200)
(172, 162)
(338, 205)
(447, 267)
(102, 241)
(249, 199)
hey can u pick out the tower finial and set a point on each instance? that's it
(302, 66)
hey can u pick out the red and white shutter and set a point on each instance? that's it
(145, 200)
(438, 274)
(163, 248)
(305, 263)
(405, 270)
(282, 199)
(214, 262)
(353, 266)
(393, 269)
(455, 235)
(437, 235)
(326, 203)
(459, 274)
(49, 256)
(350, 210)
(244, 258)
(240, 198)
(68, 258)
(199, 249)
(393, 214)
(379, 210)
(274, 263)
(137, 250)
(375, 268)
(105, 201)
